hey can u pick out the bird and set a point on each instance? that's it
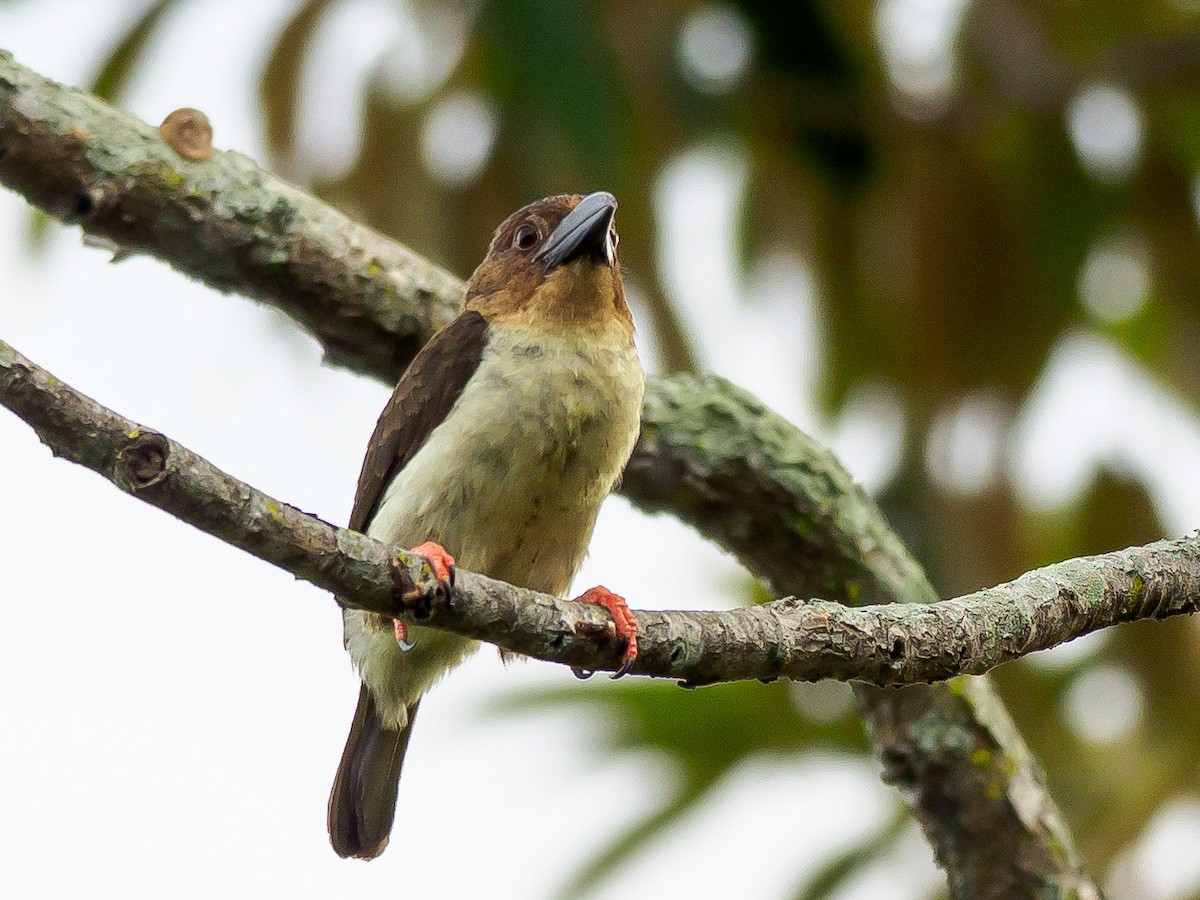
(501, 440)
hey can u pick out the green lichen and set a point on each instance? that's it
(982, 758)
(1136, 588)
(274, 511)
(1056, 846)
(804, 526)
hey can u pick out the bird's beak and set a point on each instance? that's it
(583, 231)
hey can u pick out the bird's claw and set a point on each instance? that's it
(626, 664)
(401, 632)
(623, 619)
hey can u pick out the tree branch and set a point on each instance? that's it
(371, 302)
(710, 454)
(804, 640)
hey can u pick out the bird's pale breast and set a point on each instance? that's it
(510, 483)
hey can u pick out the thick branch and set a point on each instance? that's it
(710, 454)
(804, 640)
(370, 301)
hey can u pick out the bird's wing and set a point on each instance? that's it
(427, 391)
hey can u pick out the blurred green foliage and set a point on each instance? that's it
(946, 238)
(707, 735)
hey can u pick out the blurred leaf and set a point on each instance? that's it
(1177, 118)
(611, 858)
(708, 732)
(816, 82)
(38, 228)
(839, 871)
(113, 77)
(547, 62)
(280, 84)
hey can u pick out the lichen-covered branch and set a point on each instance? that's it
(371, 302)
(926, 740)
(709, 454)
(806, 640)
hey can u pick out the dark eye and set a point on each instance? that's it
(525, 237)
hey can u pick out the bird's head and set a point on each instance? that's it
(554, 263)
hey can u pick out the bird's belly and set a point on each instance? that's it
(510, 484)
(515, 501)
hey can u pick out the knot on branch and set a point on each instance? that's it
(189, 133)
(87, 202)
(142, 462)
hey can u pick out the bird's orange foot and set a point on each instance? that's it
(623, 619)
(442, 564)
(440, 561)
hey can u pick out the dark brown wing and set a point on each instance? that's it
(427, 391)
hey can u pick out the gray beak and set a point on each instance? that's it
(584, 231)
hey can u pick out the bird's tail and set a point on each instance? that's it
(362, 804)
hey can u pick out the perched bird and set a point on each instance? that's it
(496, 449)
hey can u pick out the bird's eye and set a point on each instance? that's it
(525, 237)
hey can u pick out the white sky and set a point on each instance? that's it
(174, 710)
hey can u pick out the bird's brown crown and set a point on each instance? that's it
(538, 269)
